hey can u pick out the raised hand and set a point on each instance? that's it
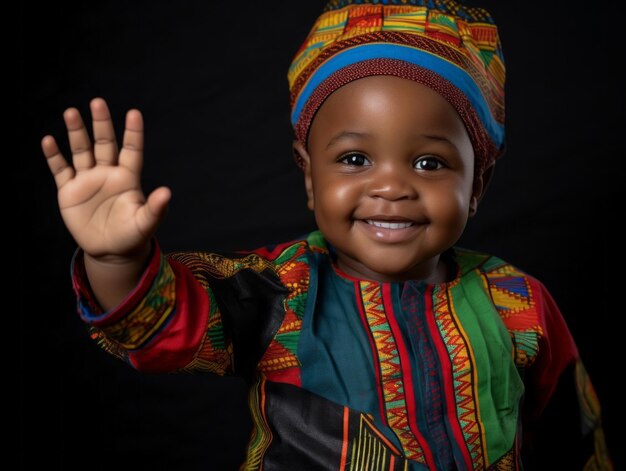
(100, 196)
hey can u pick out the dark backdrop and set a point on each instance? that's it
(211, 80)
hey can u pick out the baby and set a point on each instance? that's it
(373, 343)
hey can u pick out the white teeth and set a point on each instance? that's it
(389, 225)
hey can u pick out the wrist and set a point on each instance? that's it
(112, 278)
(115, 261)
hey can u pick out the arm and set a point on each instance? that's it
(102, 203)
(170, 320)
(194, 312)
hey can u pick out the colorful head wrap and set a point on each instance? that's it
(453, 49)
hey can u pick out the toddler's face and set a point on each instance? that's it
(389, 175)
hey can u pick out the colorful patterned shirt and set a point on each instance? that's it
(351, 374)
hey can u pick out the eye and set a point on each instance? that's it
(428, 163)
(354, 160)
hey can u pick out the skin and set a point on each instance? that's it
(101, 200)
(390, 150)
(380, 148)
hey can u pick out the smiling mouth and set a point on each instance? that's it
(390, 224)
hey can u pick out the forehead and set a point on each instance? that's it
(387, 104)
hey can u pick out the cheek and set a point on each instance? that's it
(336, 196)
(448, 207)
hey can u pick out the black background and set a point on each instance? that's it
(210, 79)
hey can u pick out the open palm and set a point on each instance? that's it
(100, 196)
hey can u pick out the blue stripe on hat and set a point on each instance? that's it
(449, 71)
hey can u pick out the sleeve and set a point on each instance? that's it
(561, 420)
(169, 322)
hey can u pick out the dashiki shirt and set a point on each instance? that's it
(350, 374)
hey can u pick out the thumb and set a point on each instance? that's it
(151, 213)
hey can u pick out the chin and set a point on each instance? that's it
(389, 268)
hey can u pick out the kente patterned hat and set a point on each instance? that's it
(451, 48)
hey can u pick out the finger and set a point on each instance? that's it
(131, 155)
(61, 170)
(151, 213)
(82, 156)
(105, 145)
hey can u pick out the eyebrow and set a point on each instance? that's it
(362, 135)
(346, 135)
(436, 137)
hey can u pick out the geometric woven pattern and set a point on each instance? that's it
(459, 45)
(465, 387)
(280, 362)
(392, 379)
(431, 383)
(513, 298)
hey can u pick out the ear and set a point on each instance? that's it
(304, 162)
(481, 182)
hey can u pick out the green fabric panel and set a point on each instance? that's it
(491, 263)
(500, 387)
(468, 260)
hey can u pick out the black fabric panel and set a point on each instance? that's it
(303, 425)
(253, 309)
(311, 428)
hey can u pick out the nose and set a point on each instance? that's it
(392, 182)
